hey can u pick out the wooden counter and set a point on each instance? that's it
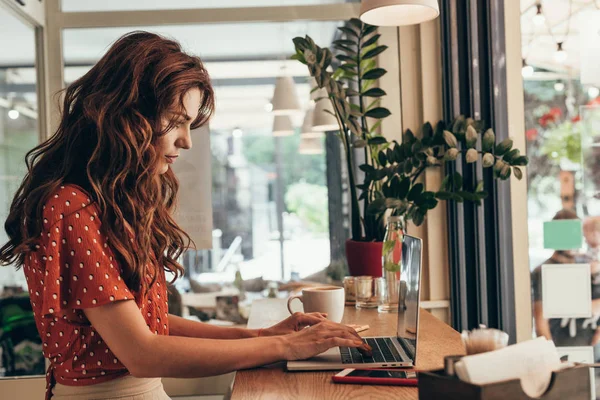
(436, 340)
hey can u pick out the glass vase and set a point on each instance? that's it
(391, 258)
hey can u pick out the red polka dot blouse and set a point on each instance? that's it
(74, 268)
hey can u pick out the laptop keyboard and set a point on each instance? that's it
(383, 351)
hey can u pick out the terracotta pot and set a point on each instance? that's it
(364, 258)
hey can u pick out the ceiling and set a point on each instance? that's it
(539, 43)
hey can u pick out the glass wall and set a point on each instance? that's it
(244, 61)
(562, 120)
(20, 345)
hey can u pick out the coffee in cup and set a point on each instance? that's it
(322, 299)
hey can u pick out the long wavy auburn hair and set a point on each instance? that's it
(111, 120)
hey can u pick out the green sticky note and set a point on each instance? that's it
(563, 234)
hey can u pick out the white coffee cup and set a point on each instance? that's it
(323, 299)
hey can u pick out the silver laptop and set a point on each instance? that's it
(394, 351)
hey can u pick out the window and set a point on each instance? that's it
(562, 122)
(244, 61)
(20, 344)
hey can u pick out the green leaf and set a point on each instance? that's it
(415, 191)
(346, 58)
(368, 29)
(356, 23)
(348, 31)
(344, 42)
(443, 195)
(503, 147)
(457, 180)
(373, 74)
(381, 157)
(403, 188)
(479, 186)
(377, 140)
(300, 43)
(376, 206)
(427, 130)
(450, 139)
(374, 92)
(408, 137)
(375, 126)
(372, 53)
(488, 141)
(371, 40)
(366, 168)
(471, 156)
(521, 161)
(391, 156)
(418, 218)
(518, 173)
(511, 155)
(347, 49)
(379, 112)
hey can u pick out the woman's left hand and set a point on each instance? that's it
(294, 323)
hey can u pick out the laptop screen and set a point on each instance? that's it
(408, 304)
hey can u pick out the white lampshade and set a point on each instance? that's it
(323, 121)
(310, 146)
(307, 130)
(285, 100)
(282, 126)
(398, 12)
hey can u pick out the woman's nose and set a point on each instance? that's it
(185, 141)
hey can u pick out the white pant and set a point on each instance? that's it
(126, 388)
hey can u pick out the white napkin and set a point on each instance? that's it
(532, 362)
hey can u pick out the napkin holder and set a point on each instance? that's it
(571, 383)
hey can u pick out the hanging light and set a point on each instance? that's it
(526, 70)
(539, 19)
(593, 92)
(398, 12)
(285, 100)
(237, 133)
(559, 87)
(310, 146)
(323, 121)
(282, 126)
(560, 56)
(307, 130)
(13, 114)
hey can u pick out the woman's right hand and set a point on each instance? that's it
(319, 338)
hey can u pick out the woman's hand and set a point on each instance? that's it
(321, 337)
(294, 323)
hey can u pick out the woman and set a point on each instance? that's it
(91, 225)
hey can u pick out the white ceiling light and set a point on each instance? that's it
(237, 133)
(282, 126)
(310, 146)
(398, 12)
(560, 55)
(526, 70)
(538, 18)
(593, 92)
(307, 130)
(285, 100)
(559, 86)
(323, 121)
(13, 114)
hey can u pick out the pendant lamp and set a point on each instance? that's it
(310, 146)
(285, 100)
(282, 126)
(322, 120)
(307, 130)
(398, 12)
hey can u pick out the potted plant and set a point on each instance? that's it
(392, 170)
